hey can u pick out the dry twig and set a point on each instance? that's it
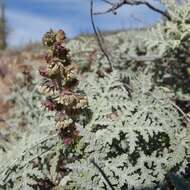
(103, 174)
(98, 36)
(115, 6)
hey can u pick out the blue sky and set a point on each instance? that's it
(29, 19)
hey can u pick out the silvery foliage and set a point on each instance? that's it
(171, 41)
(25, 139)
(135, 135)
(173, 34)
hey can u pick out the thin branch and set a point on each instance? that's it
(185, 116)
(103, 174)
(138, 19)
(164, 13)
(108, 2)
(98, 37)
(116, 6)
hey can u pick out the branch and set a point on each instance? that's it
(108, 2)
(185, 116)
(103, 174)
(116, 6)
(98, 37)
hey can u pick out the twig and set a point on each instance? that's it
(103, 174)
(181, 111)
(138, 19)
(185, 116)
(116, 6)
(108, 2)
(98, 37)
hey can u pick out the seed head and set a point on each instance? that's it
(49, 38)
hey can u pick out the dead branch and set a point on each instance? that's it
(103, 174)
(98, 37)
(108, 2)
(119, 4)
(185, 116)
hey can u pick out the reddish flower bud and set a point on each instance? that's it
(43, 72)
(48, 57)
(59, 51)
(50, 84)
(65, 92)
(60, 36)
(61, 116)
(49, 38)
(49, 104)
(68, 141)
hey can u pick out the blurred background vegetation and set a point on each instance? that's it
(3, 32)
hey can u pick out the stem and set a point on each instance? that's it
(103, 174)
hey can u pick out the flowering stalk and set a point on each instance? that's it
(59, 86)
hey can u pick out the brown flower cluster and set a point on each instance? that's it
(59, 85)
